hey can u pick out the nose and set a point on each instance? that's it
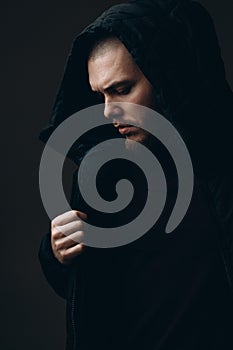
(112, 110)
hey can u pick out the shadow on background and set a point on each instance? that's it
(37, 37)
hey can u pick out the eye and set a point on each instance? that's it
(124, 91)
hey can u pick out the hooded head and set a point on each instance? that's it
(174, 44)
(115, 76)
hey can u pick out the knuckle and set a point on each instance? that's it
(54, 234)
(56, 231)
(56, 245)
(64, 254)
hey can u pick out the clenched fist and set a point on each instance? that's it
(66, 233)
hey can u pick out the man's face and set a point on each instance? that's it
(115, 75)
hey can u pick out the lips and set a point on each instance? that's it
(123, 128)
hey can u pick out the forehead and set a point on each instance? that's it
(115, 62)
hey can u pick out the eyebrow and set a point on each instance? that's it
(116, 84)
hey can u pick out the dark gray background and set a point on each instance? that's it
(36, 39)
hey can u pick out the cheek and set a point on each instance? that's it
(148, 99)
(146, 96)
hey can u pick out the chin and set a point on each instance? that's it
(140, 138)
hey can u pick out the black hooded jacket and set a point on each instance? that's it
(175, 45)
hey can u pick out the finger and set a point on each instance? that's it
(66, 242)
(71, 253)
(64, 218)
(55, 234)
(70, 228)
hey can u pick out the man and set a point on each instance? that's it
(161, 291)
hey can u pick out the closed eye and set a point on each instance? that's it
(124, 91)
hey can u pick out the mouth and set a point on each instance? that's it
(123, 129)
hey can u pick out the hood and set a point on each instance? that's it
(175, 45)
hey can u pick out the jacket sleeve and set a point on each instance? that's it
(57, 275)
